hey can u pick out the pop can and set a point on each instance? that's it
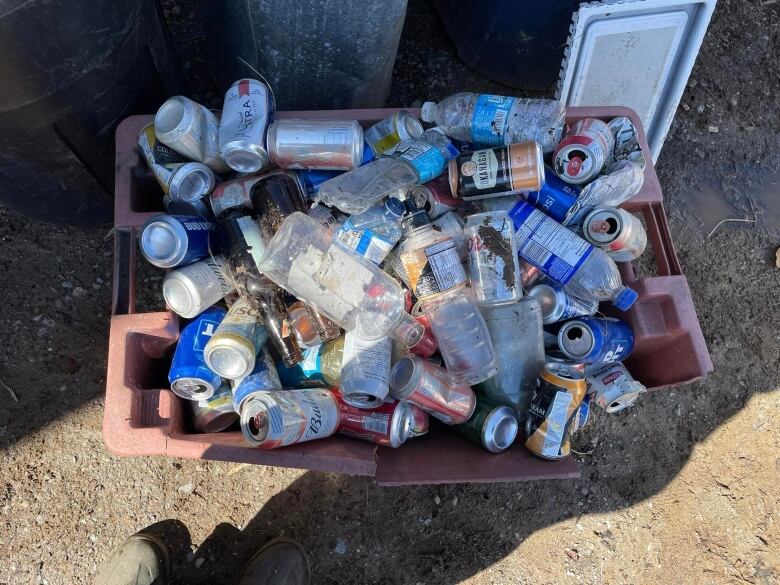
(620, 234)
(582, 416)
(235, 193)
(309, 182)
(558, 395)
(232, 349)
(556, 197)
(596, 340)
(180, 179)
(556, 356)
(558, 305)
(189, 375)
(435, 197)
(326, 145)
(493, 426)
(365, 370)
(389, 425)
(263, 378)
(495, 172)
(190, 290)
(433, 389)
(197, 207)
(246, 113)
(584, 151)
(612, 386)
(386, 133)
(168, 241)
(216, 413)
(278, 419)
(494, 270)
(421, 422)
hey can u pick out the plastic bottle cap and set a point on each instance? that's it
(395, 206)
(428, 113)
(625, 299)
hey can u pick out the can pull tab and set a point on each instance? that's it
(600, 227)
(574, 166)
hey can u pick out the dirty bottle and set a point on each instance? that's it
(375, 232)
(494, 270)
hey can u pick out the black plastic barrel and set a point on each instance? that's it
(69, 73)
(315, 54)
(518, 43)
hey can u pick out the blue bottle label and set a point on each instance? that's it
(425, 158)
(546, 244)
(367, 243)
(488, 122)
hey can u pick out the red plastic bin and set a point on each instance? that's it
(143, 417)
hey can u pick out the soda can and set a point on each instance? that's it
(421, 422)
(620, 234)
(558, 305)
(278, 419)
(326, 145)
(246, 113)
(556, 356)
(612, 386)
(330, 218)
(216, 413)
(232, 349)
(189, 375)
(494, 270)
(230, 194)
(190, 290)
(191, 130)
(365, 370)
(263, 378)
(196, 207)
(494, 172)
(178, 178)
(427, 345)
(386, 133)
(584, 151)
(556, 197)
(559, 393)
(389, 425)
(493, 426)
(168, 241)
(596, 340)
(435, 197)
(452, 225)
(432, 389)
(530, 273)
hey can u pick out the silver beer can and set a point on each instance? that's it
(620, 234)
(216, 413)
(192, 289)
(386, 133)
(326, 145)
(246, 113)
(232, 349)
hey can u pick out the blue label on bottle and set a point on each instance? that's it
(546, 244)
(425, 158)
(488, 122)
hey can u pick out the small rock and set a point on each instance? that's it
(99, 280)
(571, 553)
(455, 501)
(93, 537)
(685, 106)
(341, 546)
(186, 489)
(67, 284)
(79, 292)
(713, 129)
(427, 521)
(700, 109)
(96, 286)
(199, 562)
(437, 499)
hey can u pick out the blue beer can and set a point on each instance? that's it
(189, 375)
(168, 241)
(596, 340)
(309, 181)
(263, 378)
(555, 198)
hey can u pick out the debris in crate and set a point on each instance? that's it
(340, 282)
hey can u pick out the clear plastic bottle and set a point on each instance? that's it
(375, 232)
(303, 259)
(410, 163)
(495, 120)
(438, 138)
(583, 270)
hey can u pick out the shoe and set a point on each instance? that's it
(140, 560)
(280, 562)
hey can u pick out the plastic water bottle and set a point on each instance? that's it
(410, 163)
(583, 270)
(375, 232)
(438, 138)
(497, 120)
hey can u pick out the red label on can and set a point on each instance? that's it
(373, 425)
(608, 379)
(243, 87)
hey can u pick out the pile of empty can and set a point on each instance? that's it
(342, 280)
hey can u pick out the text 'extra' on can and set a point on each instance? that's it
(246, 112)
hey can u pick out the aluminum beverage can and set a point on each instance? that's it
(190, 290)
(278, 419)
(386, 133)
(365, 370)
(558, 395)
(556, 197)
(189, 376)
(262, 378)
(493, 426)
(495, 172)
(616, 231)
(584, 151)
(309, 181)
(216, 413)
(530, 273)
(435, 197)
(421, 422)
(326, 145)
(230, 194)
(246, 113)
(389, 425)
(179, 178)
(558, 305)
(612, 386)
(232, 349)
(168, 241)
(330, 218)
(582, 416)
(432, 389)
(596, 340)
(556, 356)
(626, 141)
(494, 270)
(198, 207)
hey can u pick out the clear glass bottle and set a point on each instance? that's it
(303, 259)
(375, 232)
(495, 120)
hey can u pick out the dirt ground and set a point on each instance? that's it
(682, 488)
